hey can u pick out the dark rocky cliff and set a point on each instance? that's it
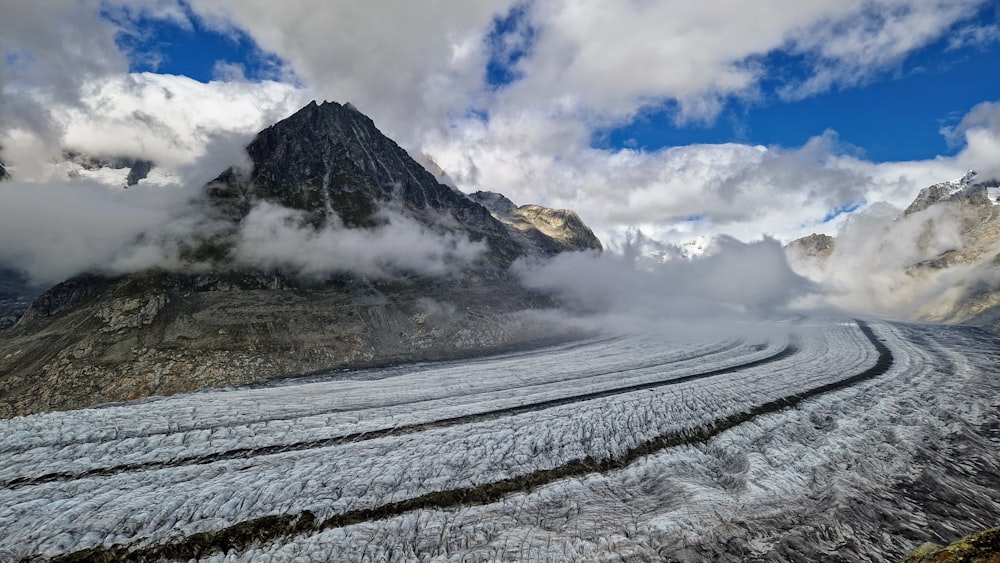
(331, 159)
(98, 338)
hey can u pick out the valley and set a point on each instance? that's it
(832, 440)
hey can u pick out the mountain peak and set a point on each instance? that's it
(386, 264)
(962, 190)
(331, 160)
(547, 231)
(967, 178)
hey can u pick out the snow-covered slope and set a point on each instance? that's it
(800, 443)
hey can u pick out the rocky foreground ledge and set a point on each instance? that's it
(981, 547)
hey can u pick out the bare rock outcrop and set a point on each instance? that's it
(818, 246)
(98, 338)
(547, 231)
(981, 547)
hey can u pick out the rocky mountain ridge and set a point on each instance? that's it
(100, 338)
(330, 159)
(965, 190)
(951, 265)
(818, 246)
(137, 169)
(546, 231)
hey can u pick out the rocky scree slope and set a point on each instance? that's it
(96, 338)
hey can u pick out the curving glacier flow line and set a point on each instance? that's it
(27, 440)
(258, 530)
(240, 453)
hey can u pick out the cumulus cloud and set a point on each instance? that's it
(272, 236)
(408, 65)
(48, 50)
(680, 193)
(171, 120)
(419, 70)
(598, 62)
(978, 133)
(64, 83)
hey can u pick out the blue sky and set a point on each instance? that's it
(195, 50)
(896, 115)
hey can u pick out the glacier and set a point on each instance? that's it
(803, 439)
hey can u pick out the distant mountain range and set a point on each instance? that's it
(332, 249)
(937, 261)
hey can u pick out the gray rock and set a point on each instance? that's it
(814, 246)
(16, 295)
(96, 339)
(545, 231)
(138, 168)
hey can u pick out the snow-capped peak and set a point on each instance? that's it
(964, 181)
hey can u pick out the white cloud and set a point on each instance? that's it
(419, 68)
(740, 190)
(869, 37)
(975, 36)
(412, 66)
(731, 276)
(979, 133)
(48, 49)
(406, 64)
(55, 230)
(171, 119)
(272, 236)
(190, 130)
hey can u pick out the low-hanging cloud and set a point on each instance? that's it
(731, 278)
(889, 263)
(272, 236)
(55, 230)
